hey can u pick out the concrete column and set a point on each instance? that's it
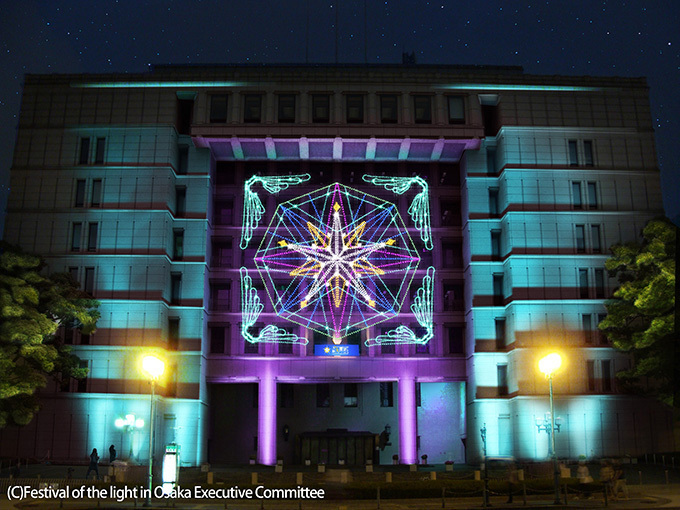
(266, 421)
(408, 429)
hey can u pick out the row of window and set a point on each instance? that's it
(95, 193)
(589, 322)
(86, 157)
(584, 285)
(321, 108)
(286, 395)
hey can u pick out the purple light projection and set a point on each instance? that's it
(408, 425)
(266, 418)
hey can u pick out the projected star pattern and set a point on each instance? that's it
(337, 260)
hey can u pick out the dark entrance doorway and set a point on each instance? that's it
(333, 445)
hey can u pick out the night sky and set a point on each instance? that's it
(568, 37)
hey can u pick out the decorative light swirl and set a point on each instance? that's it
(423, 309)
(251, 308)
(253, 210)
(420, 206)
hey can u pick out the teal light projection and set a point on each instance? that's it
(253, 210)
(541, 88)
(156, 84)
(337, 260)
(420, 207)
(423, 309)
(251, 308)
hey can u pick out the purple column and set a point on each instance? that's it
(408, 428)
(266, 421)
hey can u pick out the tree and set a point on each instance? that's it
(32, 307)
(641, 317)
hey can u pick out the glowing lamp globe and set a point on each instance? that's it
(120, 423)
(550, 363)
(153, 366)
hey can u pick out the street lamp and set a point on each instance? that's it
(129, 424)
(153, 367)
(548, 365)
(545, 424)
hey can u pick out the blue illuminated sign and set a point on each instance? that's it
(336, 350)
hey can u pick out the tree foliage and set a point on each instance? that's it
(32, 307)
(641, 316)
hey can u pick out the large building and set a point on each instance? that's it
(325, 253)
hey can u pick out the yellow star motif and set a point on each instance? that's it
(327, 350)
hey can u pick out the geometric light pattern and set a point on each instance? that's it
(420, 207)
(251, 308)
(253, 210)
(423, 309)
(337, 260)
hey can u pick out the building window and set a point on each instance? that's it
(96, 197)
(453, 297)
(173, 333)
(588, 153)
(590, 373)
(323, 395)
(502, 379)
(76, 234)
(576, 195)
(456, 336)
(351, 395)
(73, 272)
(386, 394)
(80, 193)
(599, 283)
(456, 110)
(286, 395)
(252, 347)
(602, 337)
(496, 244)
(287, 108)
(99, 151)
(177, 244)
(452, 254)
(225, 173)
(222, 253)
(583, 283)
(252, 108)
(82, 383)
(451, 216)
(223, 212)
(419, 395)
(592, 195)
(491, 160)
(580, 239)
(321, 108)
(92, 231)
(180, 201)
(185, 115)
(84, 151)
(218, 108)
(587, 327)
(220, 297)
(498, 293)
(89, 280)
(422, 348)
(606, 366)
(388, 109)
(499, 324)
(355, 108)
(285, 348)
(595, 238)
(175, 288)
(573, 153)
(217, 338)
(493, 202)
(422, 109)
(387, 348)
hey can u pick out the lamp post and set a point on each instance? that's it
(153, 367)
(548, 365)
(482, 432)
(129, 424)
(544, 424)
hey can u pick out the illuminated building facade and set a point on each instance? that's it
(322, 253)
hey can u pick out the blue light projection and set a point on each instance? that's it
(420, 207)
(337, 260)
(422, 308)
(251, 308)
(253, 210)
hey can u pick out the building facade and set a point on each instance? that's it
(338, 263)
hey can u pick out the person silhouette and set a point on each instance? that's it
(112, 453)
(94, 460)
